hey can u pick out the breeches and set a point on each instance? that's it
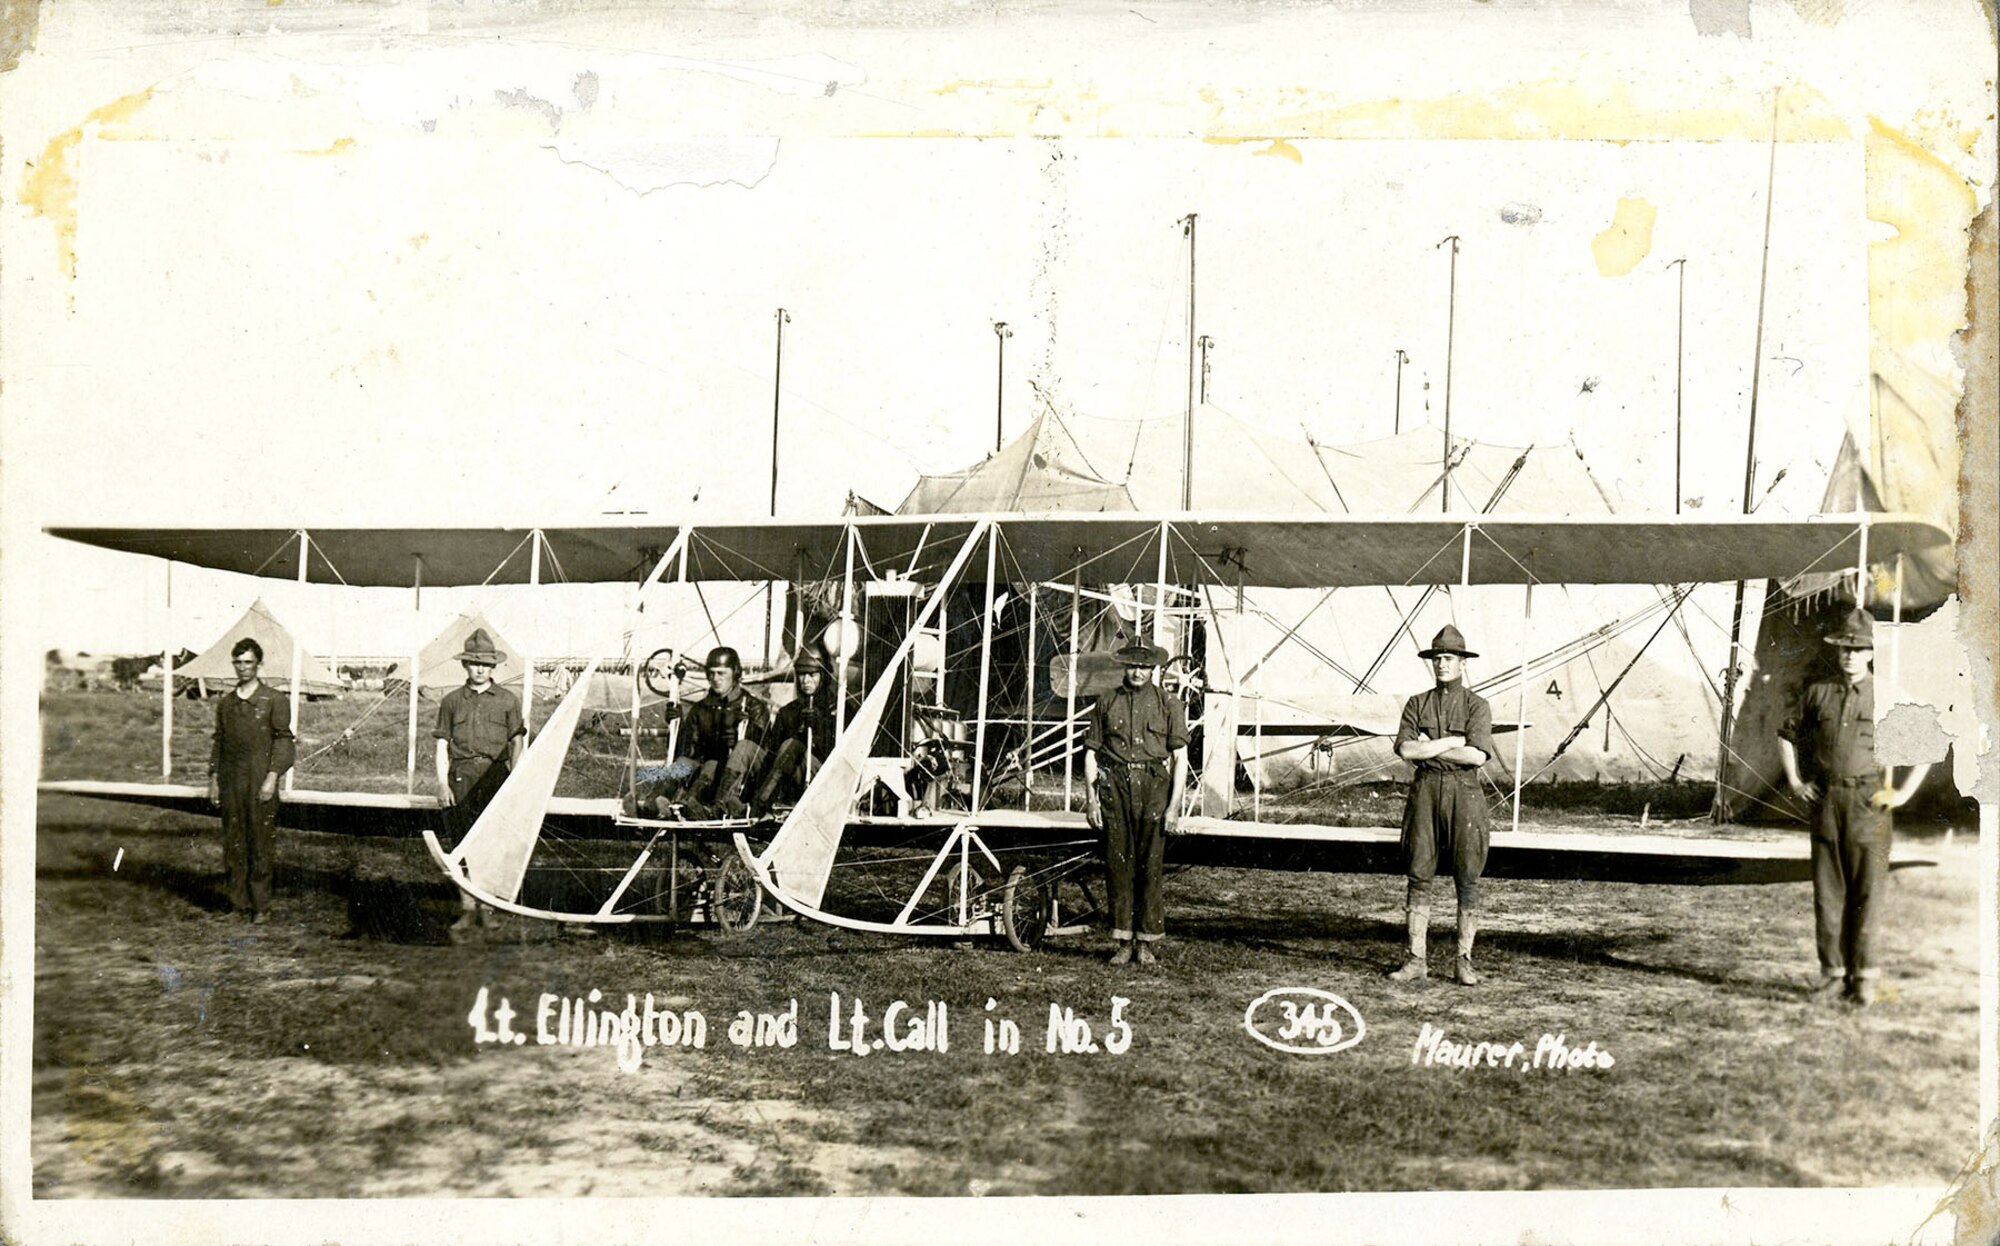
(474, 780)
(1134, 803)
(709, 781)
(249, 840)
(1850, 867)
(1444, 821)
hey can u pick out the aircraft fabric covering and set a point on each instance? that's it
(497, 848)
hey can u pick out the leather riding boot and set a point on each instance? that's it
(1417, 915)
(1468, 929)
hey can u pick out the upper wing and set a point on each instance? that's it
(1293, 551)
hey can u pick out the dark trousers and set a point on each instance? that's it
(1444, 820)
(1134, 804)
(1850, 868)
(473, 781)
(249, 840)
(785, 776)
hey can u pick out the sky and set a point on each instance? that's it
(512, 338)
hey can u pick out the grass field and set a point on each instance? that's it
(179, 1053)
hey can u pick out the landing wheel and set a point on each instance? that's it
(737, 899)
(975, 889)
(1026, 904)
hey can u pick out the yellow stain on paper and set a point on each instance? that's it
(1919, 274)
(1627, 240)
(337, 147)
(48, 188)
(1278, 146)
(977, 84)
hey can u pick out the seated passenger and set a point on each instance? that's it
(803, 728)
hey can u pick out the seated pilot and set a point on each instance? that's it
(721, 743)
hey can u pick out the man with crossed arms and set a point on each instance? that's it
(1447, 733)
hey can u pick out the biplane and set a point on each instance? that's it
(947, 803)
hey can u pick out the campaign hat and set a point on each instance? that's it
(1856, 631)
(1139, 653)
(479, 647)
(1448, 640)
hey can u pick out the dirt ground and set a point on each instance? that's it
(333, 1053)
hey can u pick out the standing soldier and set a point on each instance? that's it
(1131, 793)
(253, 746)
(1850, 798)
(480, 734)
(1447, 733)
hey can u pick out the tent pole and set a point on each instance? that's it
(1187, 430)
(528, 664)
(632, 612)
(1069, 692)
(1028, 737)
(298, 651)
(985, 670)
(1450, 331)
(1757, 373)
(1521, 712)
(674, 684)
(846, 623)
(1861, 567)
(167, 687)
(1257, 743)
(1228, 751)
(416, 671)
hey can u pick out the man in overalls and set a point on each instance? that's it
(1134, 762)
(1447, 733)
(253, 746)
(1850, 798)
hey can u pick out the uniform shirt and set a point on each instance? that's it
(1136, 725)
(253, 735)
(1834, 731)
(1452, 709)
(715, 724)
(479, 725)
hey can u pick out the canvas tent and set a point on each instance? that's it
(438, 668)
(1790, 652)
(1661, 666)
(212, 668)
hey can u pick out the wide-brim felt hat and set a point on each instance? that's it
(1856, 631)
(1448, 640)
(479, 647)
(1139, 653)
